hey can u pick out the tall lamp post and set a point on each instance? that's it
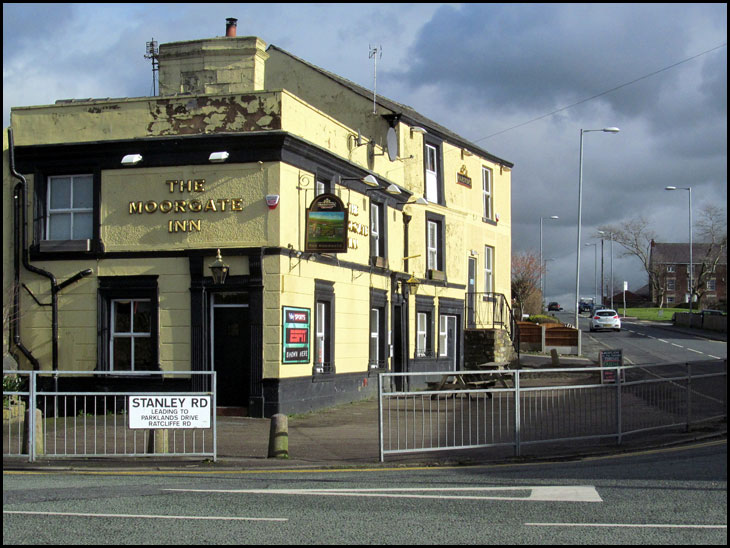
(690, 268)
(542, 287)
(580, 212)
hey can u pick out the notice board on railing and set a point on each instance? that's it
(610, 358)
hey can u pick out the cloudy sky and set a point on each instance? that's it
(518, 80)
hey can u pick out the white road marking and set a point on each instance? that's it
(139, 516)
(539, 493)
(633, 525)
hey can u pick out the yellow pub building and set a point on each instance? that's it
(261, 218)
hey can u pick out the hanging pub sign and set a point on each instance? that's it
(326, 225)
(296, 334)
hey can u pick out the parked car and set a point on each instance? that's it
(554, 306)
(605, 319)
(585, 306)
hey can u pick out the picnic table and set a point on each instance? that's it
(469, 380)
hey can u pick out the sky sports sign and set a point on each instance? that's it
(169, 411)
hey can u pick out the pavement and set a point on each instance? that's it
(347, 437)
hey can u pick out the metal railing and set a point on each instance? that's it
(492, 311)
(96, 422)
(514, 408)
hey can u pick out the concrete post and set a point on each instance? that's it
(158, 441)
(37, 437)
(279, 437)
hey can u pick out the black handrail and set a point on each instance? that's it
(491, 310)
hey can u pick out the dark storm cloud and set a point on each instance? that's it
(532, 58)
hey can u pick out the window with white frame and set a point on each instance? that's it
(375, 337)
(70, 207)
(670, 268)
(488, 209)
(488, 269)
(422, 338)
(377, 232)
(432, 186)
(320, 338)
(131, 341)
(432, 251)
(711, 284)
(671, 284)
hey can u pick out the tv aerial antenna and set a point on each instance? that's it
(374, 54)
(152, 52)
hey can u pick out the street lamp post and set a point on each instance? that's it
(690, 268)
(580, 212)
(542, 287)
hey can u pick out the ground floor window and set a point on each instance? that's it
(324, 327)
(128, 323)
(131, 335)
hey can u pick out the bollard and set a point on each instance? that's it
(555, 358)
(279, 437)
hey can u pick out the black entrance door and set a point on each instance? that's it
(231, 355)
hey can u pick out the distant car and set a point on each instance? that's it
(707, 312)
(605, 318)
(584, 306)
(554, 306)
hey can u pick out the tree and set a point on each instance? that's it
(712, 230)
(636, 238)
(526, 271)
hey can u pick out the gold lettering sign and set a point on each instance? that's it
(462, 177)
(192, 205)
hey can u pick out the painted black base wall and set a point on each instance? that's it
(305, 394)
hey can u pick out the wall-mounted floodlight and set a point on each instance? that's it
(418, 129)
(370, 181)
(418, 201)
(392, 189)
(131, 159)
(218, 157)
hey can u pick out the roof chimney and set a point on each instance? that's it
(231, 23)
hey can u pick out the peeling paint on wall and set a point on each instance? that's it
(214, 114)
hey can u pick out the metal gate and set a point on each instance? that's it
(459, 410)
(97, 423)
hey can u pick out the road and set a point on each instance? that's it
(673, 496)
(648, 343)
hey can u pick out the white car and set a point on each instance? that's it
(605, 319)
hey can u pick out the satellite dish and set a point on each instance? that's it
(392, 142)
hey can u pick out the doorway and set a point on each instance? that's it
(230, 348)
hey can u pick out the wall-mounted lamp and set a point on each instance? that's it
(465, 153)
(219, 269)
(218, 157)
(411, 283)
(369, 180)
(418, 129)
(418, 201)
(392, 189)
(131, 159)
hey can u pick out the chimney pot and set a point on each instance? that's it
(231, 24)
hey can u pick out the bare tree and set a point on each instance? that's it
(712, 230)
(636, 237)
(526, 270)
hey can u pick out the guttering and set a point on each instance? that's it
(21, 250)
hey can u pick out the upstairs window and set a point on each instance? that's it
(432, 186)
(70, 207)
(487, 204)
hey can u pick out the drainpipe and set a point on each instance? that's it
(21, 249)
